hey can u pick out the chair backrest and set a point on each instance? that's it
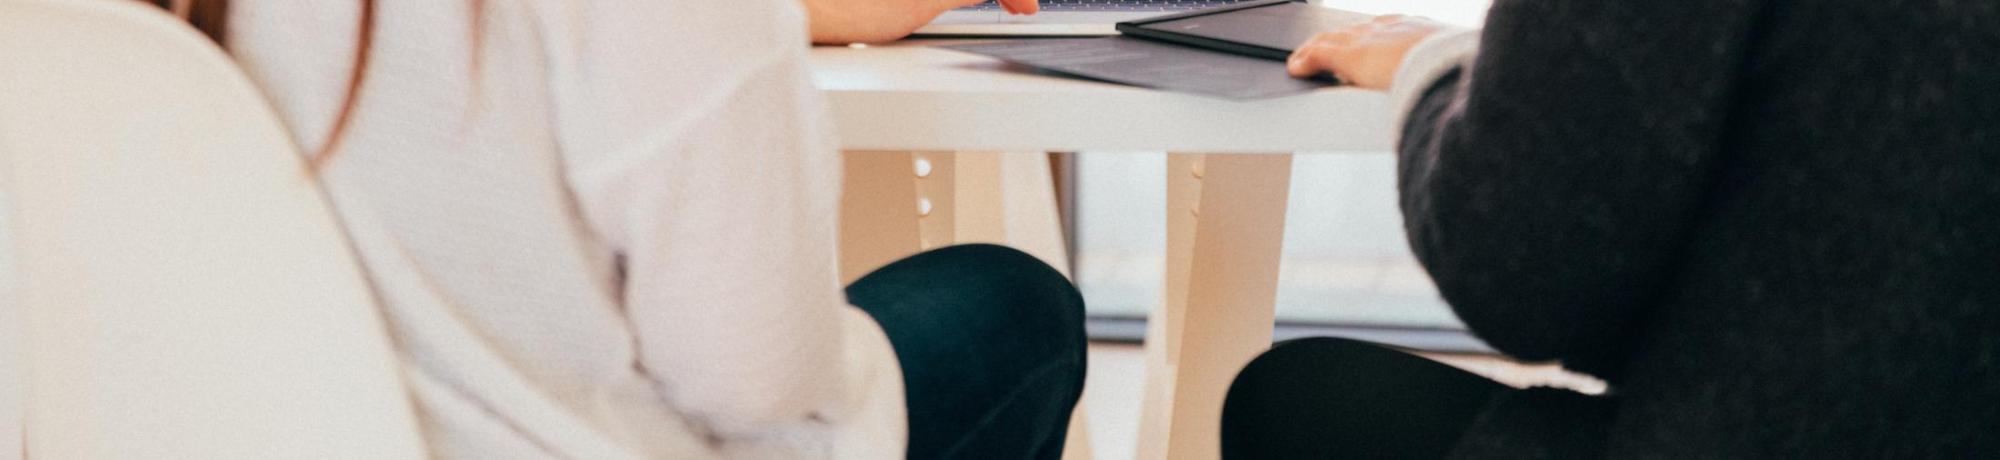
(180, 286)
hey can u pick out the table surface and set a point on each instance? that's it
(910, 96)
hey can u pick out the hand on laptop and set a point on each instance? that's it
(872, 21)
(1365, 55)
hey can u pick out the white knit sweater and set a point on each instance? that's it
(613, 239)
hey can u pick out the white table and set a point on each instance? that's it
(944, 148)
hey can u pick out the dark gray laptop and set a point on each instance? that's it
(1076, 18)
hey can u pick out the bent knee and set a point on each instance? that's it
(991, 293)
(1027, 302)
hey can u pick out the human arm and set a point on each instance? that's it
(1549, 183)
(874, 21)
(699, 154)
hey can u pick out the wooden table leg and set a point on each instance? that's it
(1225, 234)
(897, 204)
(878, 212)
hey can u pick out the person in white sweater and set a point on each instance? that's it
(604, 229)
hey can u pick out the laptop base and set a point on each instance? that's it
(1014, 30)
(973, 23)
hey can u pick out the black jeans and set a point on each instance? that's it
(992, 348)
(1338, 398)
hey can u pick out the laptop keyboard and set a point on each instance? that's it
(1115, 5)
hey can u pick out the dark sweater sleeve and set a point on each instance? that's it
(1549, 187)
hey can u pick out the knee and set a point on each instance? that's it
(988, 293)
(1276, 400)
(1001, 268)
(1022, 304)
(1274, 384)
(1339, 398)
(1029, 298)
(1273, 372)
(1287, 357)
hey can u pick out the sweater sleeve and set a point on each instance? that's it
(1442, 53)
(699, 152)
(1548, 185)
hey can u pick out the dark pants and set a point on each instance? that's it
(1338, 398)
(992, 348)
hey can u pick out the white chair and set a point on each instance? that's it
(176, 284)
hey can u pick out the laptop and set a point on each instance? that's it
(1059, 18)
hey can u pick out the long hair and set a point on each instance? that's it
(212, 18)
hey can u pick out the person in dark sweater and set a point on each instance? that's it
(1772, 226)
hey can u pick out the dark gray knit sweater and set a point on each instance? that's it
(1773, 225)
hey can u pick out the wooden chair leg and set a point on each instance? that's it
(1225, 234)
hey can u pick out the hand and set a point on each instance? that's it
(1365, 55)
(874, 21)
